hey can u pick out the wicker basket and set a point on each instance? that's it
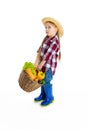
(26, 83)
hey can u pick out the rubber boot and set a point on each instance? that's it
(41, 96)
(49, 97)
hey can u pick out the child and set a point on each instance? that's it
(47, 57)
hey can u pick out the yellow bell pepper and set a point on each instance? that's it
(40, 75)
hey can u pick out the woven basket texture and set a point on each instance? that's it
(26, 83)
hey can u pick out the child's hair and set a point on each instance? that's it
(59, 56)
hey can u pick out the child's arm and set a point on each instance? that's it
(39, 67)
(37, 60)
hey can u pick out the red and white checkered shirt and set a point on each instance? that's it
(49, 52)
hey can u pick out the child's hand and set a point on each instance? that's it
(36, 64)
(39, 67)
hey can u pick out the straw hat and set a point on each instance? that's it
(57, 23)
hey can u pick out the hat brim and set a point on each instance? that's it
(57, 23)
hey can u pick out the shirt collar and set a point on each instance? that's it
(54, 37)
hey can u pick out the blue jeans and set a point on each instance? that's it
(48, 78)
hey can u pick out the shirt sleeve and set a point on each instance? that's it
(39, 49)
(51, 51)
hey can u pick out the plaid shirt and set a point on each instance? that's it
(49, 52)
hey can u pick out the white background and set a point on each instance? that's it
(21, 33)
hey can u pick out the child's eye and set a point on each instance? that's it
(47, 27)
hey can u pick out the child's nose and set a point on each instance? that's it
(46, 29)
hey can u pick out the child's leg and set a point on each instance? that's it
(41, 96)
(48, 88)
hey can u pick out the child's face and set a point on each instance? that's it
(51, 29)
